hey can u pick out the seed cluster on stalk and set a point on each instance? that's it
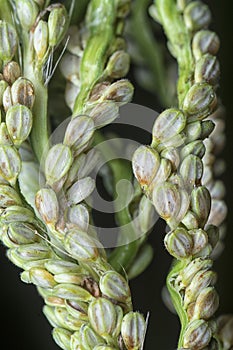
(177, 173)
(45, 223)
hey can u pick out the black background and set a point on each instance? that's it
(23, 325)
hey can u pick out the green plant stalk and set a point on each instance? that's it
(176, 298)
(151, 52)
(180, 41)
(95, 54)
(123, 255)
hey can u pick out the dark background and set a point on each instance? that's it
(23, 325)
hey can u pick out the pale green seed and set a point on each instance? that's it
(179, 243)
(62, 338)
(81, 246)
(80, 190)
(200, 240)
(8, 196)
(201, 204)
(133, 330)
(206, 304)
(115, 287)
(89, 338)
(197, 16)
(19, 123)
(197, 335)
(146, 162)
(56, 266)
(41, 278)
(196, 265)
(66, 320)
(57, 164)
(102, 316)
(57, 23)
(47, 205)
(168, 126)
(27, 12)
(200, 281)
(8, 41)
(79, 132)
(72, 292)
(40, 39)
(205, 41)
(104, 113)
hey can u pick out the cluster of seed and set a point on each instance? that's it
(109, 86)
(87, 302)
(175, 173)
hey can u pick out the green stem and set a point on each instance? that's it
(176, 297)
(40, 130)
(149, 48)
(123, 255)
(180, 40)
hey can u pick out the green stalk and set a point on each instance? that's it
(180, 41)
(149, 48)
(123, 255)
(176, 298)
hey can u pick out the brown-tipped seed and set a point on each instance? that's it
(201, 204)
(200, 281)
(66, 320)
(79, 132)
(207, 69)
(57, 163)
(22, 92)
(11, 72)
(10, 164)
(81, 246)
(205, 41)
(121, 91)
(8, 41)
(47, 205)
(200, 240)
(8, 196)
(118, 64)
(102, 316)
(196, 265)
(40, 39)
(199, 101)
(19, 123)
(146, 162)
(197, 16)
(104, 113)
(115, 287)
(179, 243)
(206, 304)
(197, 335)
(171, 203)
(133, 330)
(57, 23)
(168, 126)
